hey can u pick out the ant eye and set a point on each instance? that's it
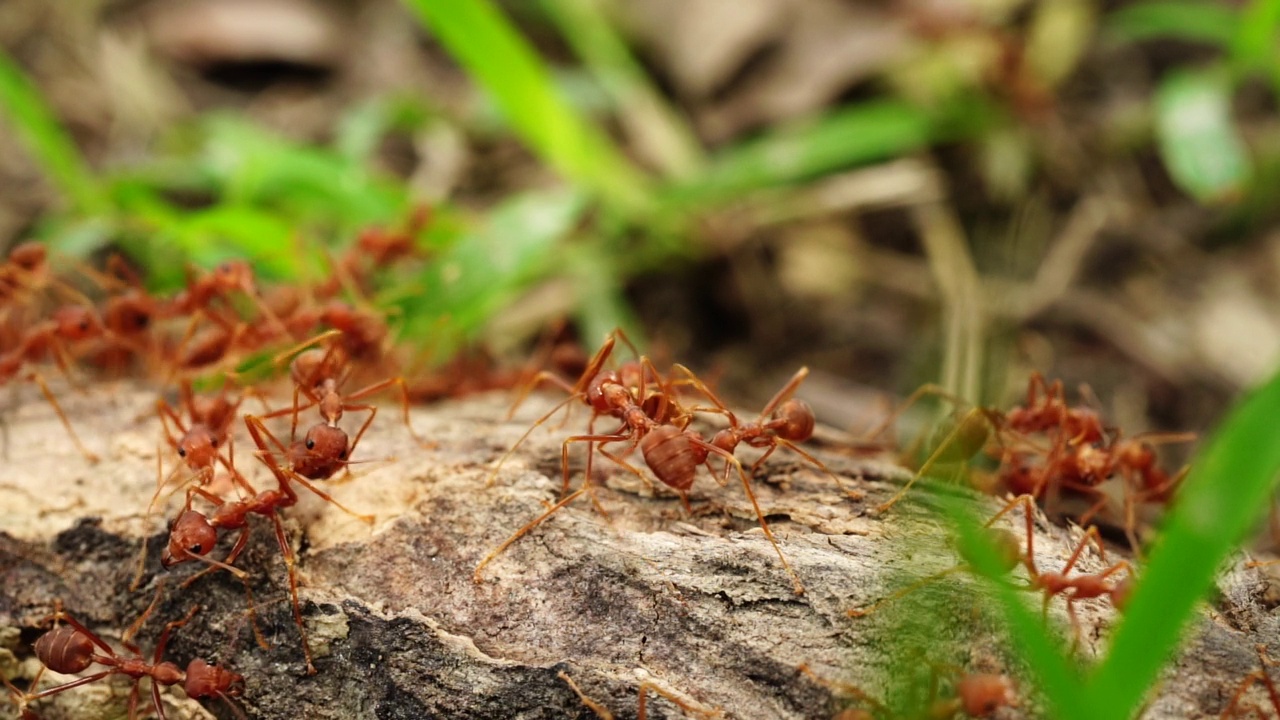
(84, 324)
(311, 444)
(342, 455)
(182, 452)
(197, 548)
(141, 321)
(213, 443)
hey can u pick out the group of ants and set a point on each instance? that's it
(326, 335)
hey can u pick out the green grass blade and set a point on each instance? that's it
(46, 139)
(494, 53)
(1229, 487)
(1199, 141)
(488, 266)
(849, 136)
(1195, 20)
(657, 128)
(1054, 673)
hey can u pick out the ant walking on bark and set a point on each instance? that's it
(671, 451)
(74, 648)
(194, 534)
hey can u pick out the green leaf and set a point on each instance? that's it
(222, 231)
(1198, 140)
(494, 53)
(1194, 20)
(846, 137)
(50, 145)
(1229, 487)
(487, 267)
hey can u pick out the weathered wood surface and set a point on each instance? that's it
(698, 606)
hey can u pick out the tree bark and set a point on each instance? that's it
(697, 606)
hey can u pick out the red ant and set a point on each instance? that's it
(73, 648)
(783, 422)
(194, 535)
(671, 452)
(1073, 587)
(318, 374)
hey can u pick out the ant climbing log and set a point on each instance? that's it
(690, 605)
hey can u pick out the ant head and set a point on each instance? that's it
(65, 650)
(205, 681)
(129, 313)
(190, 536)
(983, 694)
(233, 275)
(598, 390)
(794, 420)
(326, 441)
(76, 323)
(30, 255)
(199, 447)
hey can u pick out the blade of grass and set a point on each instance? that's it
(1198, 21)
(494, 53)
(1229, 487)
(849, 136)
(485, 269)
(1055, 674)
(657, 128)
(46, 139)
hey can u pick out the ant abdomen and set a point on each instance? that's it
(672, 456)
(65, 650)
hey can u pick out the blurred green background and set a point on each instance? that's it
(890, 192)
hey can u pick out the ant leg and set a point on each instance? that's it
(379, 386)
(852, 494)
(689, 708)
(127, 638)
(591, 440)
(541, 377)
(169, 627)
(933, 458)
(1093, 533)
(852, 691)
(295, 477)
(929, 390)
(764, 524)
(289, 561)
(215, 565)
(864, 611)
(786, 392)
(493, 474)
(601, 711)
(38, 379)
(79, 682)
(523, 531)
